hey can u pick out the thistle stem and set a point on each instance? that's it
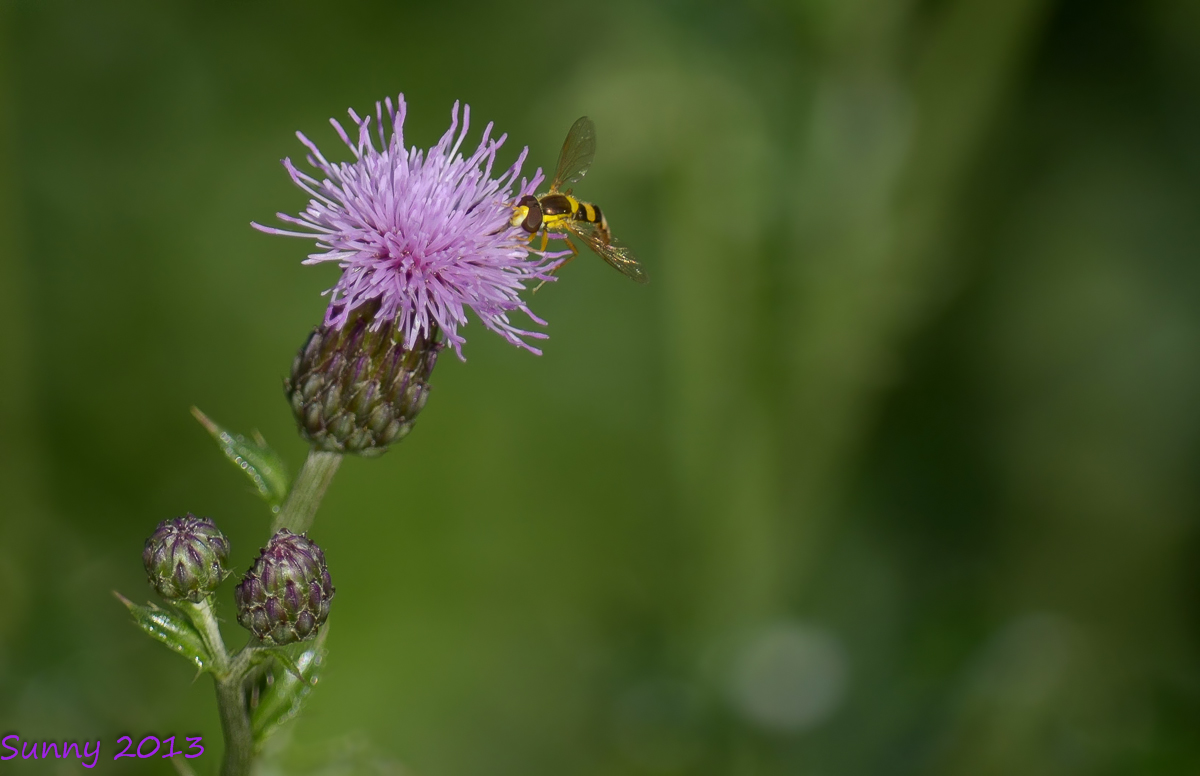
(306, 493)
(235, 726)
(231, 701)
(205, 620)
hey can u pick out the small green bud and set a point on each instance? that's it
(358, 390)
(185, 558)
(284, 597)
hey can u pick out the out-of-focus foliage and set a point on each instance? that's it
(890, 470)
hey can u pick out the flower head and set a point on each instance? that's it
(355, 390)
(426, 234)
(284, 596)
(185, 558)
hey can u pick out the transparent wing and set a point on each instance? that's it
(577, 153)
(618, 256)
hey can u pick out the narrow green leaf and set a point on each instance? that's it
(261, 464)
(285, 687)
(171, 628)
(288, 662)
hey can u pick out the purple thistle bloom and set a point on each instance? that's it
(426, 234)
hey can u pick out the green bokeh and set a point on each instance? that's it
(890, 470)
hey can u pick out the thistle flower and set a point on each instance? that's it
(425, 234)
(284, 597)
(185, 558)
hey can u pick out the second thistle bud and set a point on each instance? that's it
(185, 558)
(357, 389)
(284, 597)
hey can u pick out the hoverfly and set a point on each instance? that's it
(557, 211)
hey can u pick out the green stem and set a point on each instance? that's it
(231, 702)
(235, 726)
(205, 620)
(306, 493)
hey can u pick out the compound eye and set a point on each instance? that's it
(533, 215)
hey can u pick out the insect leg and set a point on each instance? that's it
(561, 264)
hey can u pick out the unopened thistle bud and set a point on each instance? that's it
(185, 558)
(284, 597)
(356, 389)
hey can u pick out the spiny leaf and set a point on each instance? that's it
(282, 697)
(171, 628)
(261, 464)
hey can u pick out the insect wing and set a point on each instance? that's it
(616, 255)
(619, 258)
(578, 151)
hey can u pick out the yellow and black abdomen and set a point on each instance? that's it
(591, 213)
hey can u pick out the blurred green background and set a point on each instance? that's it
(890, 470)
